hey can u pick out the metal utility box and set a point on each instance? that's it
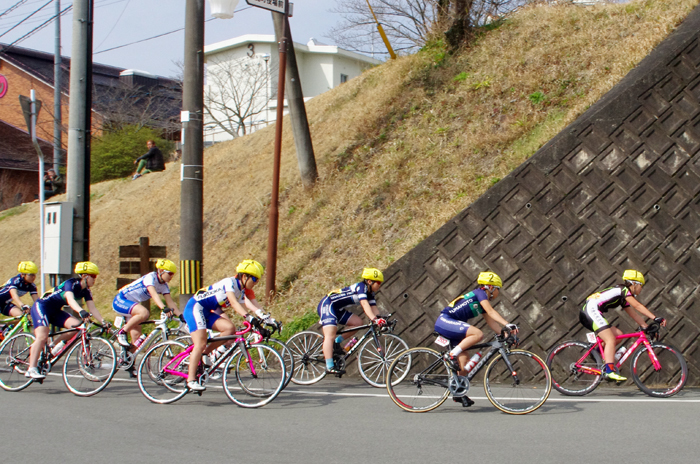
(58, 238)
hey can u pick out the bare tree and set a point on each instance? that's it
(125, 104)
(410, 23)
(236, 92)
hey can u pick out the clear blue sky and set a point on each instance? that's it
(119, 22)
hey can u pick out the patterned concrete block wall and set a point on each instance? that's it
(619, 188)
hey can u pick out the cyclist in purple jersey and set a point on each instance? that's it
(200, 315)
(624, 296)
(332, 312)
(128, 300)
(49, 310)
(16, 287)
(452, 322)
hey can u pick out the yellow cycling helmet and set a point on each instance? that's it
(250, 267)
(27, 267)
(166, 265)
(371, 273)
(634, 276)
(489, 278)
(86, 267)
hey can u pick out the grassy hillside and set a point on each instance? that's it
(400, 149)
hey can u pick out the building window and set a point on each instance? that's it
(343, 78)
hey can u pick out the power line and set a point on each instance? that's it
(13, 7)
(35, 12)
(36, 29)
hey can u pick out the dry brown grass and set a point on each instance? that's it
(400, 150)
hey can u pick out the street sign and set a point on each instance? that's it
(272, 5)
(26, 104)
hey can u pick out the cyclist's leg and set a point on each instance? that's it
(349, 320)
(40, 320)
(329, 327)
(460, 334)
(222, 325)
(13, 311)
(139, 314)
(199, 340)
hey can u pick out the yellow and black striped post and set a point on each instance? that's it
(190, 277)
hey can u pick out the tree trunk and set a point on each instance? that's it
(461, 27)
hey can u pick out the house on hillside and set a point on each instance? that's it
(119, 97)
(240, 91)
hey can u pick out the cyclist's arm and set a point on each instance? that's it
(640, 308)
(94, 311)
(155, 297)
(235, 305)
(637, 318)
(35, 296)
(171, 303)
(370, 310)
(492, 317)
(253, 304)
(15, 298)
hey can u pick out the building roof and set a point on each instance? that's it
(313, 46)
(17, 150)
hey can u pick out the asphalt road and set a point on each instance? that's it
(342, 421)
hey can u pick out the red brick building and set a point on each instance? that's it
(22, 70)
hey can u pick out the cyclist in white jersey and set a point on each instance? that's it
(128, 301)
(203, 311)
(624, 296)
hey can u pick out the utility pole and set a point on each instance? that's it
(79, 127)
(192, 169)
(57, 91)
(297, 109)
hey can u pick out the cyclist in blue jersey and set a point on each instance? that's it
(332, 311)
(49, 310)
(624, 296)
(16, 287)
(128, 300)
(200, 313)
(452, 322)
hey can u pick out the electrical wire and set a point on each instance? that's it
(13, 7)
(35, 12)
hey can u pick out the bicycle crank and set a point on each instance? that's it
(458, 385)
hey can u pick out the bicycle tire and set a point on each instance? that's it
(373, 365)
(14, 361)
(87, 372)
(521, 394)
(157, 386)
(665, 382)
(258, 389)
(286, 354)
(309, 362)
(569, 376)
(424, 380)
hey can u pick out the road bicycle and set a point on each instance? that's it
(90, 362)
(11, 327)
(376, 348)
(516, 381)
(162, 332)
(658, 369)
(260, 334)
(253, 374)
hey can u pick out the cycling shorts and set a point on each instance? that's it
(451, 329)
(330, 315)
(197, 317)
(42, 317)
(591, 318)
(122, 306)
(5, 309)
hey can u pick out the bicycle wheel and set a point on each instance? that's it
(14, 360)
(309, 363)
(669, 379)
(157, 385)
(521, 393)
(258, 381)
(89, 367)
(418, 380)
(574, 372)
(286, 354)
(373, 362)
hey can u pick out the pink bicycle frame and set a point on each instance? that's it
(175, 362)
(641, 339)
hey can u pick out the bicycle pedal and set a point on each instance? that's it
(199, 393)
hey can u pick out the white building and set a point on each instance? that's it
(241, 80)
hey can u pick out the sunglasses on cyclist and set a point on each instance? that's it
(255, 279)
